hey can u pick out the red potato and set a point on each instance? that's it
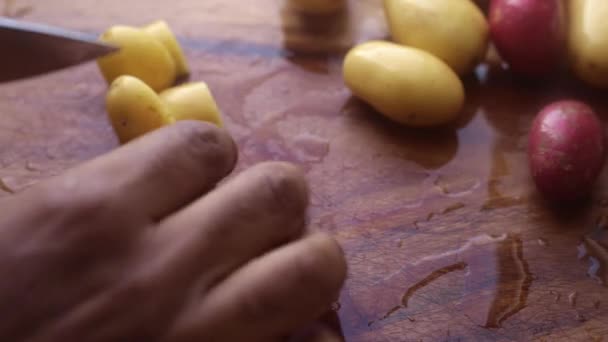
(529, 34)
(566, 150)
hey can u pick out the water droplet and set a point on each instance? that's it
(391, 311)
(594, 269)
(4, 187)
(557, 295)
(336, 306)
(53, 152)
(400, 244)
(310, 148)
(471, 244)
(453, 207)
(599, 338)
(601, 223)
(581, 251)
(456, 189)
(419, 285)
(482, 72)
(502, 202)
(31, 166)
(350, 164)
(542, 242)
(431, 215)
(429, 279)
(572, 298)
(411, 319)
(593, 252)
(580, 317)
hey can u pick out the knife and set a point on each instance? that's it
(30, 49)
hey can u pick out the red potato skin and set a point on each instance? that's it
(566, 150)
(529, 34)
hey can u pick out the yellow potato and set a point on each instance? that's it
(192, 101)
(317, 6)
(134, 108)
(405, 84)
(456, 31)
(588, 40)
(161, 31)
(141, 56)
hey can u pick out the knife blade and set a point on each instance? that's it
(30, 49)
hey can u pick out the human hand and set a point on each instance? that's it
(140, 245)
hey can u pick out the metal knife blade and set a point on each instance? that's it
(30, 49)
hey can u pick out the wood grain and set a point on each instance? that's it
(445, 236)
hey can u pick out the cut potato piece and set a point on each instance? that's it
(161, 31)
(141, 55)
(192, 101)
(134, 108)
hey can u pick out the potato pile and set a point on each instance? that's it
(141, 75)
(416, 79)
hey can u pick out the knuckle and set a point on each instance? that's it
(139, 296)
(67, 198)
(256, 306)
(80, 215)
(135, 289)
(285, 187)
(206, 143)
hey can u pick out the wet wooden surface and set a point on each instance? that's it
(445, 236)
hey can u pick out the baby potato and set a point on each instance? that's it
(407, 85)
(529, 35)
(317, 6)
(192, 101)
(566, 150)
(161, 31)
(141, 56)
(588, 40)
(456, 31)
(134, 108)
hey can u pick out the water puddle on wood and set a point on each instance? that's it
(593, 250)
(494, 274)
(4, 187)
(310, 148)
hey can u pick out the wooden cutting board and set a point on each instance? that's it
(445, 236)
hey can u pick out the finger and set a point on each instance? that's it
(270, 297)
(155, 174)
(317, 333)
(324, 335)
(327, 327)
(259, 209)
